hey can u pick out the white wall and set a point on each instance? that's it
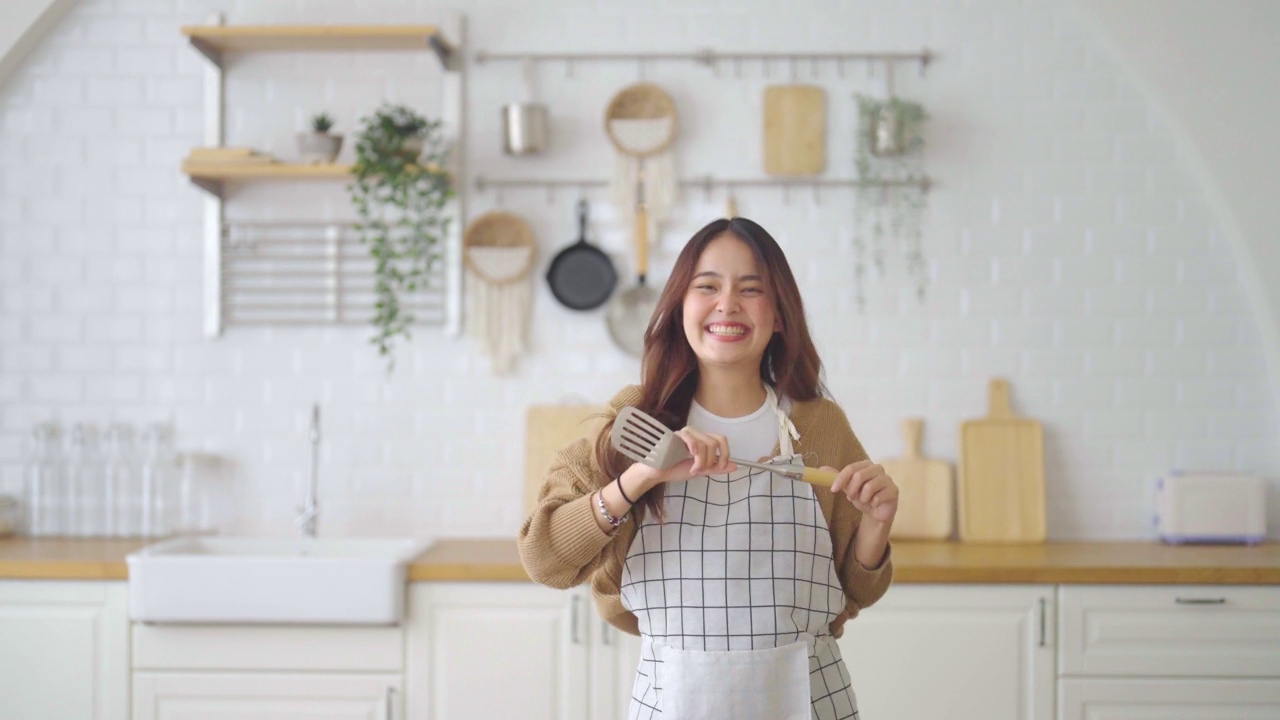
(1071, 247)
(1207, 66)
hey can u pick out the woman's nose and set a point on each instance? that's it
(727, 302)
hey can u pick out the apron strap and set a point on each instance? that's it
(786, 429)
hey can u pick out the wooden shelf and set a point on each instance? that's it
(211, 176)
(266, 171)
(222, 38)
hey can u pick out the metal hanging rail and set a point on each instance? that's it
(706, 184)
(711, 58)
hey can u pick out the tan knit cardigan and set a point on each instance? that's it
(562, 546)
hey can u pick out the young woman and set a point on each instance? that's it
(738, 581)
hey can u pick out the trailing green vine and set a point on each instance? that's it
(400, 192)
(889, 212)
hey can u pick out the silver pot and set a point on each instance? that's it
(524, 128)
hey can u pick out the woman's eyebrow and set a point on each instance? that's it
(714, 274)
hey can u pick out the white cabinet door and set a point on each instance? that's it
(955, 651)
(64, 650)
(1169, 699)
(482, 650)
(614, 657)
(266, 696)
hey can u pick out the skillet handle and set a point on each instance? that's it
(642, 241)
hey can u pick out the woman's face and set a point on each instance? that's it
(729, 312)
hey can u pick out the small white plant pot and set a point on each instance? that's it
(318, 148)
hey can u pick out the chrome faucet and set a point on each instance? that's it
(310, 510)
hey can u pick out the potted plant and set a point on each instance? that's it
(319, 145)
(400, 192)
(890, 201)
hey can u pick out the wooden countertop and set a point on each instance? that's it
(914, 562)
(65, 558)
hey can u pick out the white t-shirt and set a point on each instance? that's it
(750, 437)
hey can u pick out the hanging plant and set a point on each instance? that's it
(400, 191)
(890, 148)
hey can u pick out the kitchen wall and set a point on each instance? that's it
(1070, 247)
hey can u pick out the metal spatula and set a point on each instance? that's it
(639, 436)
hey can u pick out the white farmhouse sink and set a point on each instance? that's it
(271, 580)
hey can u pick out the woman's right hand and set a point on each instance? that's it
(709, 456)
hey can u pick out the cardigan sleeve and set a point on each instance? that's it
(862, 586)
(560, 543)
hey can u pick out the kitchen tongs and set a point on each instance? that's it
(642, 438)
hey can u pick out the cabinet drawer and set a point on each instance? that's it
(266, 696)
(256, 647)
(1168, 699)
(1176, 630)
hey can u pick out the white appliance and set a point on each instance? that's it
(1211, 508)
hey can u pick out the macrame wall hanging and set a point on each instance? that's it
(498, 250)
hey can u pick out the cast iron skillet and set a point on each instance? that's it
(581, 276)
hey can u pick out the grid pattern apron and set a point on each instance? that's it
(743, 562)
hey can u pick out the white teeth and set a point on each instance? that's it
(735, 330)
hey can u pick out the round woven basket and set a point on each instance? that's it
(499, 230)
(642, 101)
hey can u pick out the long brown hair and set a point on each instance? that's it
(669, 368)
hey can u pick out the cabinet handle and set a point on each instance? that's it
(605, 632)
(389, 703)
(1042, 622)
(1200, 601)
(573, 621)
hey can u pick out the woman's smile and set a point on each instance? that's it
(728, 331)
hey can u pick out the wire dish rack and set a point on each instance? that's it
(309, 273)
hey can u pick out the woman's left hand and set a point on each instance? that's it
(869, 488)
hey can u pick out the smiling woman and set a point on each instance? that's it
(737, 579)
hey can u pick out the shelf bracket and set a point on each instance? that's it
(213, 187)
(444, 51)
(213, 54)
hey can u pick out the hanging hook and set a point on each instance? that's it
(888, 77)
(737, 68)
(817, 195)
(793, 69)
(786, 194)
(640, 68)
(551, 194)
(840, 68)
(813, 67)
(706, 189)
(568, 68)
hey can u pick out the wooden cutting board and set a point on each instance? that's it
(795, 130)
(925, 490)
(1001, 492)
(549, 428)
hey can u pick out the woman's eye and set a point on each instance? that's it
(706, 287)
(752, 291)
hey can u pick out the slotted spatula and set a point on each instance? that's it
(639, 436)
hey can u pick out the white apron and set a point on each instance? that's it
(735, 594)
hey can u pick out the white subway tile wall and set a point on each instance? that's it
(1069, 248)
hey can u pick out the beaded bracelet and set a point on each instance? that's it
(604, 512)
